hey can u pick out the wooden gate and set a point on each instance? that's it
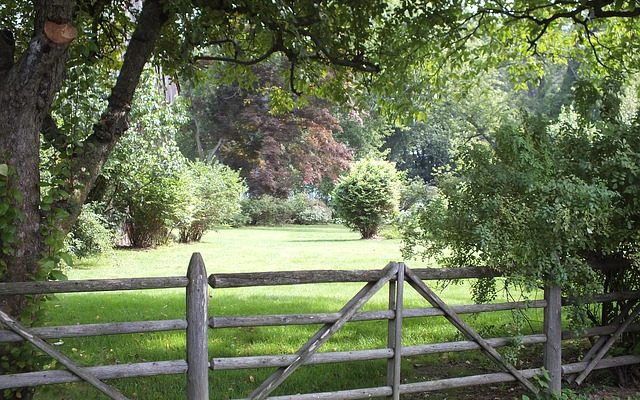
(199, 368)
(396, 275)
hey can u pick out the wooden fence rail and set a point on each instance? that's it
(198, 363)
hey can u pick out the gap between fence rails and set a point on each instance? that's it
(180, 366)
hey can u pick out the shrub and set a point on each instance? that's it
(215, 199)
(90, 234)
(268, 210)
(155, 208)
(298, 209)
(314, 212)
(367, 196)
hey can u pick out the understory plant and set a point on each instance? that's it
(214, 199)
(368, 196)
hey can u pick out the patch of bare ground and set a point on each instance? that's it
(601, 385)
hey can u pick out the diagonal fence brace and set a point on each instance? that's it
(462, 326)
(602, 340)
(324, 333)
(82, 373)
(607, 345)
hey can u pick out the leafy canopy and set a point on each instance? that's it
(548, 201)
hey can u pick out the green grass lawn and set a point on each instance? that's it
(240, 250)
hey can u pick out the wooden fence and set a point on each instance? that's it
(395, 276)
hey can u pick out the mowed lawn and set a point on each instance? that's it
(245, 250)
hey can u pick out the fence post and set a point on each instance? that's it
(197, 326)
(553, 331)
(394, 332)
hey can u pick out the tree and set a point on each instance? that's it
(438, 43)
(117, 40)
(420, 149)
(142, 182)
(278, 145)
(367, 196)
(552, 201)
(364, 130)
(215, 199)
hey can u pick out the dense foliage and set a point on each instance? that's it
(91, 234)
(279, 146)
(367, 196)
(547, 201)
(215, 192)
(298, 209)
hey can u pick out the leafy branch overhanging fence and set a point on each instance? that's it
(198, 365)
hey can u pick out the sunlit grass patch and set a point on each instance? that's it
(251, 249)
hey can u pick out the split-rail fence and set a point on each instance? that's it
(395, 276)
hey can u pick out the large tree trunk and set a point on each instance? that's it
(28, 88)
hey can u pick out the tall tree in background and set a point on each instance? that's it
(279, 146)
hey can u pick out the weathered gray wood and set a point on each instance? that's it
(366, 393)
(466, 381)
(230, 363)
(450, 383)
(391, 331)
(113, 328)
(91, 285)
(244, 279)
(553, 345)
(397, 343)
(104, 372)
(324, 318)
(270, 361)
(607, 345)
(312, 345)
(453, 318)
(197, 327)
(610, 362)
(602, 298)
(603, 339)
(116, 328)
(500, 377)
(61, 358)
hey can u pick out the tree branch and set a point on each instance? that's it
(52, 133)
(356, 62)
(209, 59)
(276, 46)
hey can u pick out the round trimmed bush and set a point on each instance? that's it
(368, 196)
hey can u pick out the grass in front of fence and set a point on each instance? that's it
(251, 249)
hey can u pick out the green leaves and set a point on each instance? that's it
(368, 195)
(542, 202)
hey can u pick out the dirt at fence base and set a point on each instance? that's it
(598, 386)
